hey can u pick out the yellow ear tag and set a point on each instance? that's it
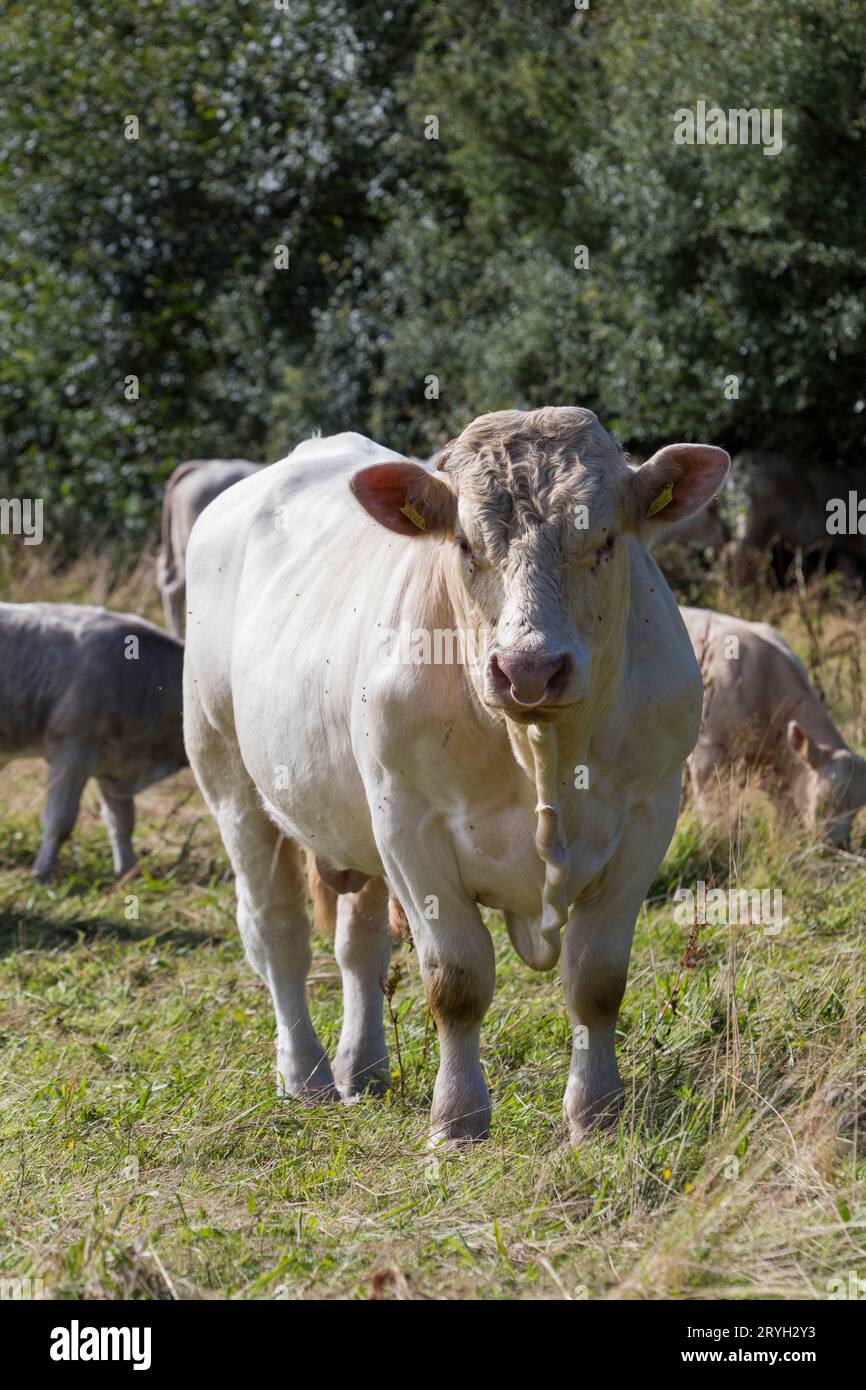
(410, 510)
(664, 498)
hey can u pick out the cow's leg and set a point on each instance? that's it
(708, 779)
(595, 956)
(69, 766)
(271, 889)
(363, 948)
(173, 603)
(118, 813)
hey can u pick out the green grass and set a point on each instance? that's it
(143, 1152)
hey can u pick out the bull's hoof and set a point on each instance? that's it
(440, 1143)
(460, 1115)
(368, 1081)
(461, 1131)
(313, 1085)
(377, 1087)
(585, 1117)
(362, 1068)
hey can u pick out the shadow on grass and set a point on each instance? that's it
(27, 931)
(95, 871)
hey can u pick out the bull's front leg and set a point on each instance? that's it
(457, 966)
(594, 971)
(455, 953)
(595, 957)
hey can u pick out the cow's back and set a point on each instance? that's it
(193, 487)
(753, 683)
(84, 673)
(38, 653)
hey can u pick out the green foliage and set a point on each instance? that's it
(414, 258)
(154, 257)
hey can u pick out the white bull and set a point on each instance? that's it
(541, 777)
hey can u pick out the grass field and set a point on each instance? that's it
(145, 1155)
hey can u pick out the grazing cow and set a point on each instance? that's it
(190, 488)
(97, 694)
(763, 720)
(324, 708)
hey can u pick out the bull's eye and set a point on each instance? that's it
(465, 547)
(607, 547)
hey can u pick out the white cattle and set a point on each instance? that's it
(762, 722)
(188, 491)
(540, 776)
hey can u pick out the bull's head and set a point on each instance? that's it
(538, 507)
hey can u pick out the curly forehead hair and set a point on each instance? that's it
(531, 463)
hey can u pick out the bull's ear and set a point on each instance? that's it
(677, 481)
(406, 498)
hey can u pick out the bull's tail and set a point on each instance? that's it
(325, 907)
(398, 922)
(324, 900)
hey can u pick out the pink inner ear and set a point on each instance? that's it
(384, 489)
(796, 736)
(696, 472)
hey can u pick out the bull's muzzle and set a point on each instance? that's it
(528, 680)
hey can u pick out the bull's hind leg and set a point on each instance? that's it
(272, 894)
(271, 891)
(363, 948)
